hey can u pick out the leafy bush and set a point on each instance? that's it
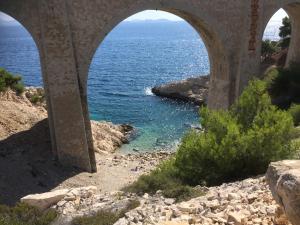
(268, 48)
(284, 85)
(235, 144)
(37, 98)
(238, 143)
(164, 178)
(23, 214)
(285, 32)
(7, 80)
(105, 217)
(295, 112)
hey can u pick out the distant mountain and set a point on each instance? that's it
(153, 21)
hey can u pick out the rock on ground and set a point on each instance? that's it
(247, 202)
(192, 90)
(284, 180)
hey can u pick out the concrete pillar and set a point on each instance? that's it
(60, 73)
(88, 130)
(293, 11)
(249, 58)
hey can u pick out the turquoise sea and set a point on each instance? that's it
(134, 57)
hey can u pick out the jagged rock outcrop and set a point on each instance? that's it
(17, 113)
(108, 137)
(193, 89)
(284, 181)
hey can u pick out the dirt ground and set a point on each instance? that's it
(27, 165)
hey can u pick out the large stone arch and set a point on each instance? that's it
(218, 20)
(91, 21)
(292, 8)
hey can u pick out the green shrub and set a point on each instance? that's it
(238, 143)
(268, 48)
(23, 214)
(285, 32)
(105, 217)
(101, 218)
(34, 99)
(164, 178)
(295, 112)
(254, 100)
(7, 80)
(284, 85)
(18, 88)
(235, 144)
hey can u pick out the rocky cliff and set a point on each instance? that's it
(20, 113)
(193, 90)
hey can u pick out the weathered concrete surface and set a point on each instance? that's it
(68, 32)
(284, 181)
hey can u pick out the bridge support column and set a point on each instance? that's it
(61, 77)
(294, 49)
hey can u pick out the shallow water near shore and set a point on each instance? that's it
(134, 57)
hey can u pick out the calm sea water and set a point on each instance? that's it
(134, 57)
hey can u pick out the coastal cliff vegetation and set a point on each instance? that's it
(234, 144)
(8, 80)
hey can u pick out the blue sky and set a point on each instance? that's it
(145, 15)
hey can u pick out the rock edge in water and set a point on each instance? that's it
(193, 90)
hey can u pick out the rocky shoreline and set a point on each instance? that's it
(25, 149)
(193, 90)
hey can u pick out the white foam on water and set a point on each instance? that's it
(148, 91)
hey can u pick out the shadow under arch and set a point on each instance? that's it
(32, 26)
(219, 66)
(27, 163)
(293, 11)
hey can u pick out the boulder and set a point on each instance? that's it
(45, 200)
(193, 89)
(284, 180)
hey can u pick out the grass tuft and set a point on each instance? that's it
(105, 217)
(23, 214)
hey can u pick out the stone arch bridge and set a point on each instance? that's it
(68, 32)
